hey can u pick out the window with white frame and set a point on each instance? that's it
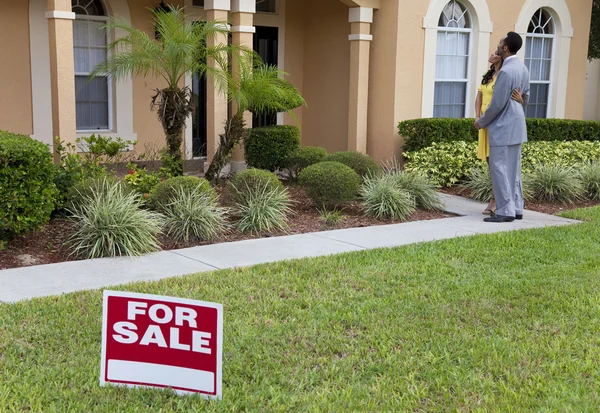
(92, 97)
(452, 61)
(539, 46)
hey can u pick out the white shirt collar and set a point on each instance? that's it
(509, 58)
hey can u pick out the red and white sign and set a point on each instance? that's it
(157, 341)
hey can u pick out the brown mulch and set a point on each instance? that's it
(543, 207)
(47, 245)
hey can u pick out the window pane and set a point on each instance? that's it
(97, 33)
(538, 101)
(80, 33)
(452, 55)
(266, 6)
(82, 59)
(198, 3)
(91, 103)
(449, 99)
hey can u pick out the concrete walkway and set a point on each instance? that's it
(52, 279)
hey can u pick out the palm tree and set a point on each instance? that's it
(180, 48)
(254, 87)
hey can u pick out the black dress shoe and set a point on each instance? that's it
(499, 218)
(519, 216)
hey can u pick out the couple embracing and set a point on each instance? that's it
(502, 127)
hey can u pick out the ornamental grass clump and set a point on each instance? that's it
(384, 199)
(263, 209)
(421, 188)
(194, 216)
(479, 183)
(110, 222)
(590, 176)
(557, 183)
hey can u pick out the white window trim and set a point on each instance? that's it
(469, 62)
(482, 28)
(109, 81)
(41, 83)
(549, 103)
(563, 32)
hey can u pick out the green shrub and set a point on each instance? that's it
(111, 223)
(194, 215)
(270, 147)
(250, 181)
(166, 191)
(444, 163)
(557, 183)
(88, 187)
(361, 163)
(590, 176)
(421, 188)
(263, 209)
(27, 189)
(450, 163)
(330, 184)
(383, 198)
(304, 157)
(479, 182)
(142, 181)
(422, 133)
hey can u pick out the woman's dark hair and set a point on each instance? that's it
(489, 75)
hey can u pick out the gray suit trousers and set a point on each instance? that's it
(505, 169)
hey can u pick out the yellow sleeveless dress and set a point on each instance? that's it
(483, 149)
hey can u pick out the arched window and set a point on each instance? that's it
(452, 61)
(92, 98)
(539, 48)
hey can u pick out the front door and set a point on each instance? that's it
(266, 45)
(199, 116)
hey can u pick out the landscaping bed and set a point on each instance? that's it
(47, 245)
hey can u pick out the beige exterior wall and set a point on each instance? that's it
(581, 12)
(15, 70)
(315, 51)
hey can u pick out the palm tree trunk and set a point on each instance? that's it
(235, 132)
(174, 106)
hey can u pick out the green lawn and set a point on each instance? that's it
(506, 322)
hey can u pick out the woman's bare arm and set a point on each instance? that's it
(478, 101)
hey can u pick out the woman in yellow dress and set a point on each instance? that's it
(484, 97)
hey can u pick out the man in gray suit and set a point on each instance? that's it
(507, 131)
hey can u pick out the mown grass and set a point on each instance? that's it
(506, 322)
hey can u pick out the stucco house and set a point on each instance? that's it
(361, 65)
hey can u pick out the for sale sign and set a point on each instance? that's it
(157, 341)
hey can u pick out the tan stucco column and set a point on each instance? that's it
(216, 102)
(242, 34)
(62, 71)
(360, 37)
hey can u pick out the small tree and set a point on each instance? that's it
(258, 88)
(180, 48)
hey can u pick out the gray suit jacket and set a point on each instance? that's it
(504, 117)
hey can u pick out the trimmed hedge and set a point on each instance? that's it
(330, 184)
(422, 133)
(361, 163)
(167, 191)
(250, 181)
(303, 158)
(450, 163)
(27, 189)
(270, 147)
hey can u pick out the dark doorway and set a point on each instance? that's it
(266, 45)
(199, 116)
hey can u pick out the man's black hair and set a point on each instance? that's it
(514, 42)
